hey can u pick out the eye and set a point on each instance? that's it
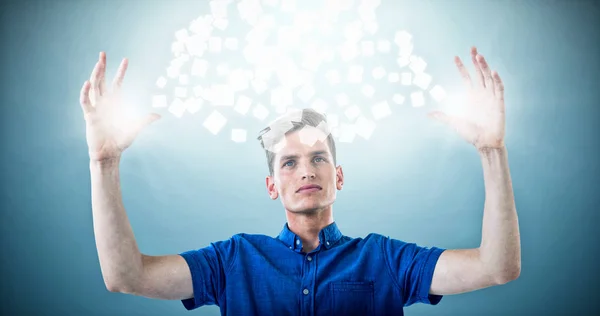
(318, 159)
(288, 163)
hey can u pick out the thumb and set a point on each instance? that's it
(141, 123)
(440, 117)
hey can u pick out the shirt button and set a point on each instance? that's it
(297, 242)
(309, 258)
(305, 291)
(327, 243)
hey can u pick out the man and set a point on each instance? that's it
(310, 268)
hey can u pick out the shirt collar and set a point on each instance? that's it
(328, 237)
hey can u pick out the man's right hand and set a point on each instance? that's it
(108, 131)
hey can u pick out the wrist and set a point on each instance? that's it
(107, 163)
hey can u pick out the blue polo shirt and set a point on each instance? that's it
(261, 275)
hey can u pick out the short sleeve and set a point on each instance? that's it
(413, 265)
(208, 267)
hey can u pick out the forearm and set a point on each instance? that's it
(120, 258)
(500, 248)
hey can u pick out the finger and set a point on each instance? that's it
(487, 73)
(138, 127)
(478, 72)
(118, 80)
(94, 85)
(102, 74)
(84, 98)
(498, 86)
(464, 73)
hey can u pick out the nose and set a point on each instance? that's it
(307, 172)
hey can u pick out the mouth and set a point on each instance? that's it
(309, 188)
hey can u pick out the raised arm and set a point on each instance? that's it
(498, 258)
(108, 134)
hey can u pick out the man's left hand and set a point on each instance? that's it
(483, 124)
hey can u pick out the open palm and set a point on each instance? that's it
(108, 131)
(483, 124)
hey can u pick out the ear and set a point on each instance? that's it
(339, 179)
(271, 189)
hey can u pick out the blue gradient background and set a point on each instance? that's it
(184, 188)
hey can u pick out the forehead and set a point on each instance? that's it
(302, 142)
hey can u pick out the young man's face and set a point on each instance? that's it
(304, 176)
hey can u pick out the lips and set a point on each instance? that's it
(309, 187)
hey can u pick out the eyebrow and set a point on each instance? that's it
(314, 153)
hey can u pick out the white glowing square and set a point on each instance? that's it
(221, 95)
(333, 76)
(237, 80)
(176, 63)
(378, 72)
(327, 55)
(381, 110)
(364, 127)
(181, 92)
(199, 67)
(403, 61)
(222, 69)
(438, 93)
(349, 51)
(352, 112)
(393, 77)
(309, 135)
(181, 35)
(406, 78)
(384, 46)
(177, 47)
(272, 3)
(249, 74)
(172, 72)
(257, 36)
(161, 82)
(417, 64)
(259, 86)
(177, 108)
(215, 122)
(368, 90)
(342, 99)
(422, 80)
(214, 44)
(288, 5)
(280, 109)
(249, 11)
(305, 93)
(402, 38)
(281, 96)
(325, 131)
(184, 58)
(195, 45)
(367, 48)
(242, 105)
(417, 99)
(333, 120)
(405, 51)
(398, 98)
(263, 72)
(346, 133)
(260, 112)
(319, 105)
(221, 23)
(231, 43)
(193, 105)
(198, 91)
(184, 79)
(355, 74)
(218, 8)
(238, 135)
(159, 101)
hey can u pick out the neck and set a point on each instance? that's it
(308, 225)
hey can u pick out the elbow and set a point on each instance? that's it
(509, 274)
(118, 287)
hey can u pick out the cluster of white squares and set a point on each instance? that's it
(194, 42)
